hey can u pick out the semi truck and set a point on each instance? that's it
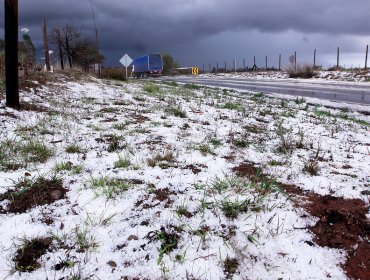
(147, 65)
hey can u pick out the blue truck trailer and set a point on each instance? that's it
(147, 65)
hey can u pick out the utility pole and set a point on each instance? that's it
(60, 49)
(11, 53)
(367, 51)
(338, 57)
(46, 46)
(314, 58)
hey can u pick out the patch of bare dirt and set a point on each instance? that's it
(27, 194)
(342, 224)
(246, 169)
(138, 119)
(26, 259)
(8, 114)
(195, 168)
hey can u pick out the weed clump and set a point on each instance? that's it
(168, 238)
(151, 88)
(110, 188)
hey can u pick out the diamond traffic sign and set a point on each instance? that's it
(126, 60)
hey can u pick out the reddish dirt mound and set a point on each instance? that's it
(342, 224)
(28, 194)
(247, 170)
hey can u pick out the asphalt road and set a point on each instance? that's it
(347, 92)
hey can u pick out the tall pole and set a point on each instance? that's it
(96, 33)
(338, 57)
(279, 62)
(60, 49)
(266, 62)
(367, 51)
(11, 53)
(314, 58)
(46, 46)
(295, 61)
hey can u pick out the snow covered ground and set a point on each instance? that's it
(347, 76)
(172, 181)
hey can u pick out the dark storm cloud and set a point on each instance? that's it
(139, 26)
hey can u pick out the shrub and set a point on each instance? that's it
(303, 71)
(114, 74)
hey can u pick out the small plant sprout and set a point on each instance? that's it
(168, 239)
(123, 161)
(108, 187)
(73, 149)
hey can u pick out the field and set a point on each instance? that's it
(102, 179)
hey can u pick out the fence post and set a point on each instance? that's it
(60, 49)
(11, 53)
(338, 57)
(314, 58)
(46, 46)
(266, 62)
(279, 62)
(367, 51)
(295, 61)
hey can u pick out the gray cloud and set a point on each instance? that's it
(181, 26)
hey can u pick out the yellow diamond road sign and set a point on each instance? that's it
(195, 70)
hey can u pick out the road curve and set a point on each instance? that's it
(348, 92)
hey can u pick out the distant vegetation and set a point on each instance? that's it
(168, 63)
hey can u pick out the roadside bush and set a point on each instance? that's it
(303, 71)
(114, 74)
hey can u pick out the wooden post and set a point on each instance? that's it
(367, 51)
(60, 49)
(46, 46)
(295, 61)
(279, 62)
(338, 57)
(11, 53)
(68, 53)
(266, 62)
(314, 58)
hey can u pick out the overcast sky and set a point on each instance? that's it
(198, 32)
